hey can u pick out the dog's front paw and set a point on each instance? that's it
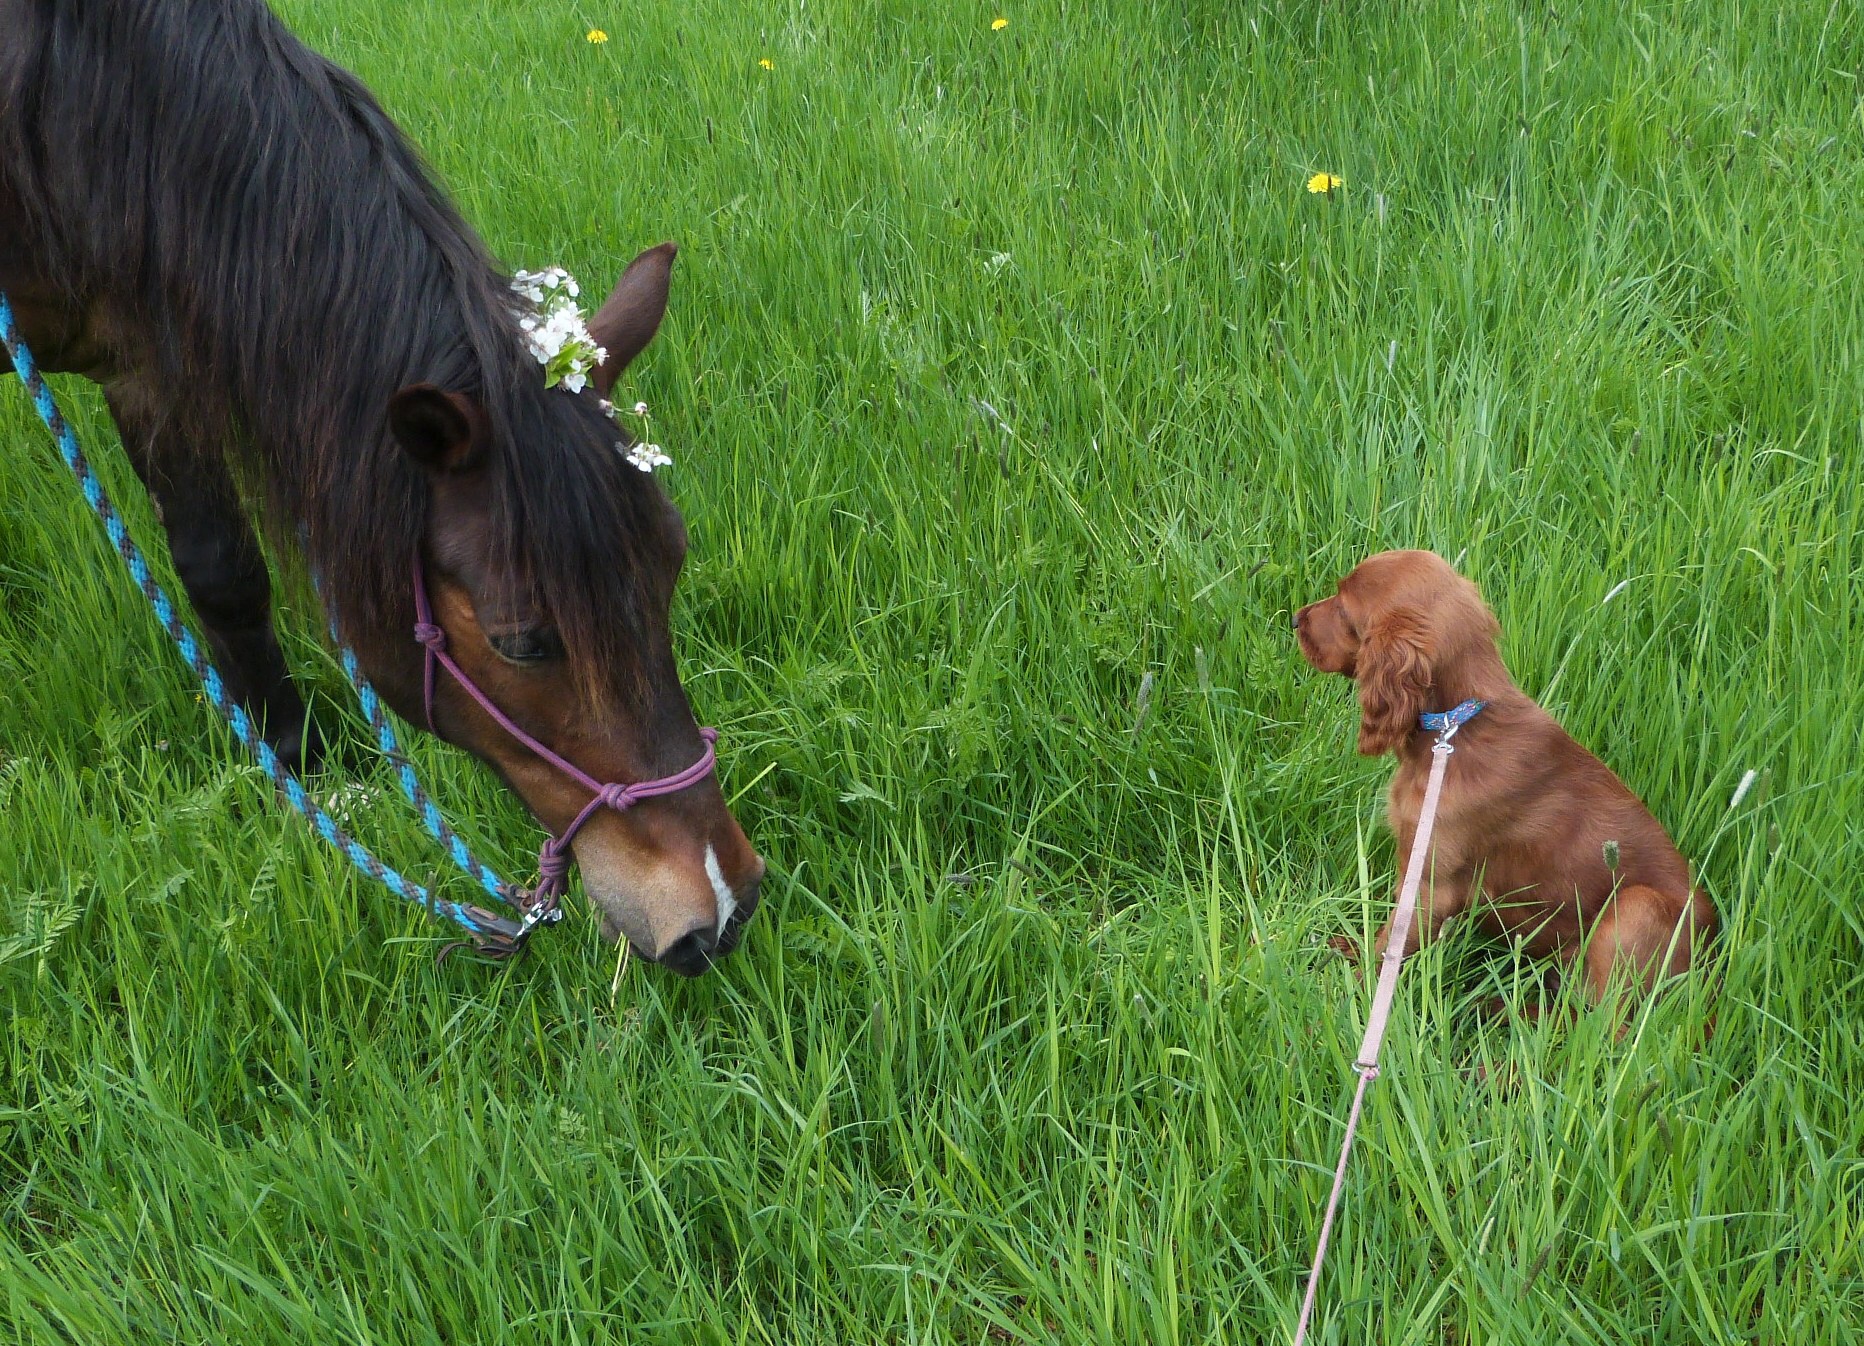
(1346, 947)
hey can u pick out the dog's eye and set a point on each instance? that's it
(528, 647)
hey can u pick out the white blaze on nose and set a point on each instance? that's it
(720, 889)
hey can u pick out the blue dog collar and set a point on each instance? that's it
(1449, 721)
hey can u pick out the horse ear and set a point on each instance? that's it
(631, 314)
(435, 427)
(1394, 670)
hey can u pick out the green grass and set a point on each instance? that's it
(1035, 1038)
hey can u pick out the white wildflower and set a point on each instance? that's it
(644, 456)
(647, 457)
(554, 328)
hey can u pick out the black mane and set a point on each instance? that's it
(251, 200)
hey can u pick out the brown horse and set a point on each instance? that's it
(226, 232)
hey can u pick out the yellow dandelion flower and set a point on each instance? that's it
(767, 63)
(997, 25)
(1325, 182)
(597, 37)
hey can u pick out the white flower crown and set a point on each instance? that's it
(558, 335)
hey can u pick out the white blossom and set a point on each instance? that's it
(554, 327)
(557, 335)
(647, 457)
(644, 456)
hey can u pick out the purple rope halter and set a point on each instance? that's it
(553, 857)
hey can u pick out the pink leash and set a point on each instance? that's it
(1367, 1063)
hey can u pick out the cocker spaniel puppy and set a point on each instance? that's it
(1535, 837)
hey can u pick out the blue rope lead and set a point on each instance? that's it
(494, 933)
(424, 805)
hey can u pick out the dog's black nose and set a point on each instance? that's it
(1295, 621)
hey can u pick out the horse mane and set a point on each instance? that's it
(297, 263)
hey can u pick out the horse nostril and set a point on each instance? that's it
(691, 953)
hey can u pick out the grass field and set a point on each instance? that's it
(1017, 390)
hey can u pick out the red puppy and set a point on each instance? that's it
(1529, 823)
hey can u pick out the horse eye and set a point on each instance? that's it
(527, 647)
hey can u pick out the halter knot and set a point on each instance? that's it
(539, 903)
(553, 865)
(433, 637)
(621, 798)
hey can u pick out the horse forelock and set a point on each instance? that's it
(591, 536)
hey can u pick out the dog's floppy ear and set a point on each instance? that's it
(1394, 673)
